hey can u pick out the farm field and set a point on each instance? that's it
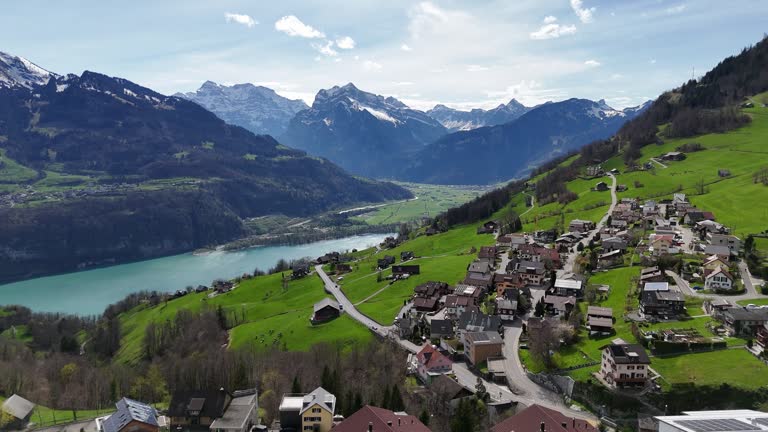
(736, 367)
(431, 200)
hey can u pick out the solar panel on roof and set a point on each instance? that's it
(762, 421)
(717, 425)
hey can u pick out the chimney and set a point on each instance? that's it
(389, 423)
(542, 427)
(370, 426)
(398, 421)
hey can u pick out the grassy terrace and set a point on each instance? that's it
(444, 257)
(268, 310)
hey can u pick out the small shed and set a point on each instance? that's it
(325, 310)
(20, 409)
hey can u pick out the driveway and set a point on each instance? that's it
(568, 266)
(686, 289)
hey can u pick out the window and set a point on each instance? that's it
(316, 410)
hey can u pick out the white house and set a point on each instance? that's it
(719, 279)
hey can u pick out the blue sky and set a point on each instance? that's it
(461, 53)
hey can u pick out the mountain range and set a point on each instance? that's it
(365, 133)
(256, 108)
(497, 153)
(455, 120)
(126, 173)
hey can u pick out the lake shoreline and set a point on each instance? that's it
(89, 291)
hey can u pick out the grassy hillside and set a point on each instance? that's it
(269, 314)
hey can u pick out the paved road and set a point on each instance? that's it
(568, 266)
(685, 287)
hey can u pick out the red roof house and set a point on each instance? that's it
(537, 418)
(373, 419)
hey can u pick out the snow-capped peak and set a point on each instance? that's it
(19, 72)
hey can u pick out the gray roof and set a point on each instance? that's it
(438, 326)
(239, 411)
(656, 286)
(480, 267)
(744, 314)
(326, 302)
(477, 319)
(670, 296)
(322, 397)
(483, 338)
(18, 407)
(599, 311)
(717, 250)
(129, 410)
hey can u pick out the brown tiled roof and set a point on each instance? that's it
(531, 418)
(432, 358)
(380, 420)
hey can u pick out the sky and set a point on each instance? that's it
(464, 54)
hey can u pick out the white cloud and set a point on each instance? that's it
(527, 92)
(240, 19)
(476, 68)
(584, 14)
(406, 47)
(675, 9)
(652, 61)
(552, 30)
(325, 48)
(592, 63)
(616, 76)
(293, 26)
(426, 17)
(402, 83)
(371, 65)
(345, 43)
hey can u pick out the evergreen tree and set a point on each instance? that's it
(296, 386)
(396, 400)
(463, 418)
(424, 417)
(386, 399)
(325, 378)
(357, 405)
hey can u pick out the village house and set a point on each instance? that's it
(488, 252)
(400, 271)
(536, 253)
(601, 186)
(241, 414)
(426, 304)
(761, 336)
(651, 274)
(430, 363)
(531, 272)
(662, 244)
(385, 262)
(613, 243)
(390, 243)
(325, 310)
(131, 416)
(545, 236)
(373, 419)
(223, 286)
(506, 309)
(624, 365)
(441, 329)
(713, 421)
(343, 268)
(743, 321)
(719, 280)
(406, 255)
(473, 320)
(19, 409)
(732, 242)
(536, 418)
(716, 306)
(455, 305)
(581, 226)
(595, 171)
(512, 241)
(197, 409)
(559, 306)
(722, 252)
(480, 346)
(610, 259)
(568, 287)
(658, 299)
(673, 156)
(431, 289)
(599, 319)
(568, 238)
(707, 226)
(713, 263)
(330, 257)
(308, 412)
(694, 215)
(502, 282)
(299, 269)
(479, 266)
(488, 227)
(477, 279)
